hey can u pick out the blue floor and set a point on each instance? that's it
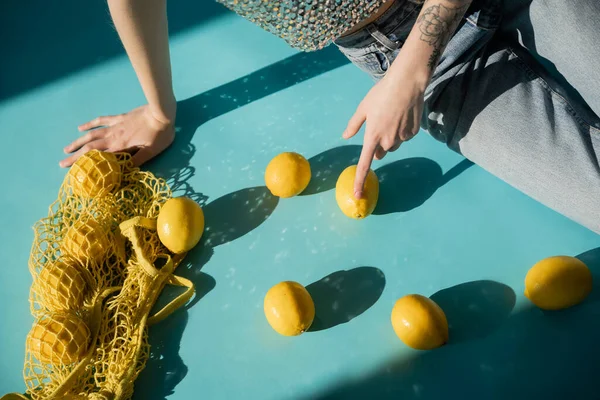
(444, 228)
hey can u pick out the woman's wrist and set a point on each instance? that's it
(165, 111)
(416, 73)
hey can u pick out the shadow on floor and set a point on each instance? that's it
(344, 295)
(165, 369)
(234, 214)
(327, 166)
(51, 40)
(199, 109)
(531, 354)
(403, 184)
(406, 184)
(591, 258)
(475, 309)
(226, 218)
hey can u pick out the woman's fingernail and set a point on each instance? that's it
(357, 194)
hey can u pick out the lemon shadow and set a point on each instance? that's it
(403, 185)
(591, 258)
(236, 214)
(475, 309)
(226, 219)
(326, 167)
(531, 355)
(344, 295)
(406, 184)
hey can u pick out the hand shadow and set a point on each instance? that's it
(407, 184)
(344, 295)
(327, 166)
(475, 309)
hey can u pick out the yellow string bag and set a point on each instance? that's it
(120, 361)
(92, 288)
(78, 241)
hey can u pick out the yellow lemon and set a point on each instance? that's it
(62, 286)
(14, 396)
(94, 174)
(344, 194)
(58, 339)
(289, 308)
(558, 282)
(419, 322)
(86, 239)
(287, 175)
(180, 224)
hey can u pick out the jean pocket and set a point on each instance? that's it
(375, 63)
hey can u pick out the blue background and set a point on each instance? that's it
(444, 228)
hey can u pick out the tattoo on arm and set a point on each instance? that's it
(437, 23)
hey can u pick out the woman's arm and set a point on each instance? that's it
(142, 27)
(393, 107)
(435, 26)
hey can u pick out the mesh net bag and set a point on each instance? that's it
(95, 280)
(58, 338)
(95, 175)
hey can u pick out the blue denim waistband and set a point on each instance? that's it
(486, 14)
(389, 21)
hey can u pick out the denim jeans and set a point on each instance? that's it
(517, 91)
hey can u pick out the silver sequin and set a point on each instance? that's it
(305, 24)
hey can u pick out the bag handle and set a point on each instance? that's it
(176, 302)
(128, 229)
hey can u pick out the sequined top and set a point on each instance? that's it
(305, 24)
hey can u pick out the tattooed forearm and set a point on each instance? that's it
(437, 23)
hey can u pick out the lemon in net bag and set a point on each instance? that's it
(62, 285)
(95, 281)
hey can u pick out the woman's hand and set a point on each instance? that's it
(139, 131)
(392, 110)
(393, 107)
(142, 27)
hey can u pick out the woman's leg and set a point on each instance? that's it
(500, 107)
(494, 101)
(564, 36)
